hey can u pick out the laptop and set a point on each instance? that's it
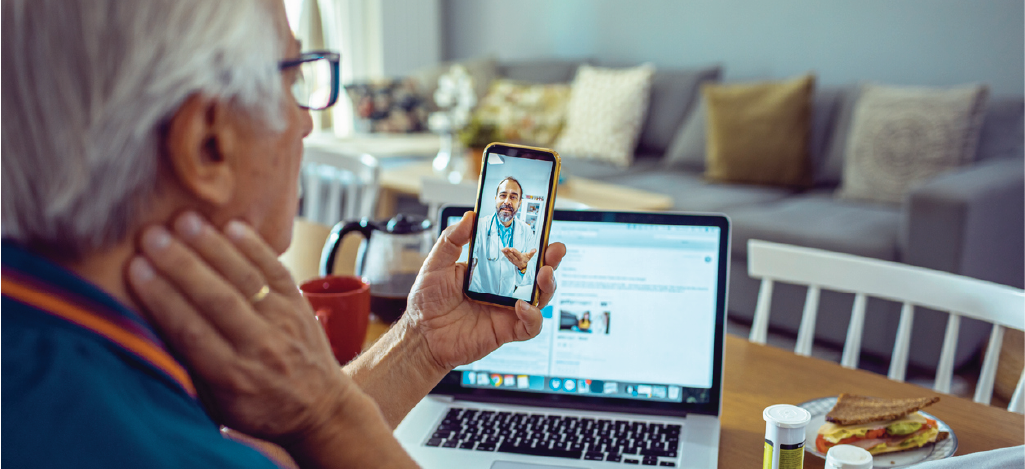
(627, 369)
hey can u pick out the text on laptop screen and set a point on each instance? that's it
(633, 317)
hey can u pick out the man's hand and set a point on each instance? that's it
(457, 329)
(518, 259)
(261, 361)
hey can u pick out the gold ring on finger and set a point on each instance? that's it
(260, 295)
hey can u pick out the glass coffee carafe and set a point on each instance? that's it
(389, 258)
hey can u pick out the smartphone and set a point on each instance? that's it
(515, 196)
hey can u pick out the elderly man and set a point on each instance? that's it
(151, 152)
(503, 256)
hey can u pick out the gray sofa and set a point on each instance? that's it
(970, 222)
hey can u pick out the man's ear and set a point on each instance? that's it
(198, 145)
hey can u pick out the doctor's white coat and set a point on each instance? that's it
(499, 276)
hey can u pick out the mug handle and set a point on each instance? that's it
(334, 241)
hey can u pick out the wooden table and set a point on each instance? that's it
(757, 376)
(405, 180)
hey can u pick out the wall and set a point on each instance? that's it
(924, 42)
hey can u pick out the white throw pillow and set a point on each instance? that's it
(903, 136)
(605, 113)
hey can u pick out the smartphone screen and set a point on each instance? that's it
(514, 201)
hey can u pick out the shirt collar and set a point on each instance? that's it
(42, 284)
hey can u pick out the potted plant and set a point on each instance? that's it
(474, 137)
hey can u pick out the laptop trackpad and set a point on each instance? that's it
(523, 465)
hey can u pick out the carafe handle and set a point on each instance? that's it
(334, 242)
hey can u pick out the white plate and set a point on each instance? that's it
(940, 450)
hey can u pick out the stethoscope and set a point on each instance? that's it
(490, 241)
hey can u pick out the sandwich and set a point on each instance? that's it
(878, 425)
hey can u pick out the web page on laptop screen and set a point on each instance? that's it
(633, 317)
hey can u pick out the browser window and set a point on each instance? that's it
(633, 318)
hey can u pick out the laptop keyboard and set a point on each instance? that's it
(622, 441)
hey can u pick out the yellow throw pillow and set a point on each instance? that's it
(758, 132)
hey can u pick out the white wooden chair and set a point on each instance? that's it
(1000, 305)
(436, 191)
(337, 185)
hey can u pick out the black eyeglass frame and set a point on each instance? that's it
(332, 57)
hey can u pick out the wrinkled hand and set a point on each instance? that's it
(265, 369)
(518, 259)
(457, 329)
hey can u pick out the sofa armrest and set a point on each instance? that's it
(971, 222)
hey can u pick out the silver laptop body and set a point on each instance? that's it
(627, 369)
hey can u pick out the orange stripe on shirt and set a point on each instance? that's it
(85, 318)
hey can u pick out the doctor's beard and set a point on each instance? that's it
(504, 216)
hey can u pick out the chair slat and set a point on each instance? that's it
(912, 286)
(852, 346)
(312, 196)
(806, 333)
(333, 210)
(945, 370)
(984, 390)
(352, 195)
(760, 324)
(1017, 401)
(902, 344)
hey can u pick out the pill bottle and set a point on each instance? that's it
(784, 436)
(848, 457)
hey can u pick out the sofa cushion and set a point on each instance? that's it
(819, 220)
(903, 136)
(544, 71)
(692, 193)
(758, 133)
(824, 116)
(1003, 130)
(605, 112)
(523, 112)
(830, 171)
(673, 94)
(687, 149)
(591, 169)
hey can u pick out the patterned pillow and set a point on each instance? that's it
(605, 112)
(903, 136)
(388, 106)
(526, 113)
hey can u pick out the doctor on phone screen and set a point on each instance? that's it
(505, 249)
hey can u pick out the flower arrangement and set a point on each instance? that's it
(392, 106)
(455, 99)
(478, 134)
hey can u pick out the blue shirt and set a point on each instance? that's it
(505, 233)
(88, 384)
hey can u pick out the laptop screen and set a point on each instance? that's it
(634, 317)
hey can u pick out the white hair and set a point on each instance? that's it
(88, 86)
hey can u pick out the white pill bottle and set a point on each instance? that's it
(784, 436)
(848, 457)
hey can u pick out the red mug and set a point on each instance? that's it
(342, 305)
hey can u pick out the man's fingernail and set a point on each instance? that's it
(140, 270)
(189, 225)
(156, 238)
(235, 230)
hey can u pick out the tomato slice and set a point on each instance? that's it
(877, 433)
(930, 423)
(850, 439)
(820, 444)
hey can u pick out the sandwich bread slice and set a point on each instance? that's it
(878, 425)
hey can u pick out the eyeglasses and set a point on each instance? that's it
(316, 81)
